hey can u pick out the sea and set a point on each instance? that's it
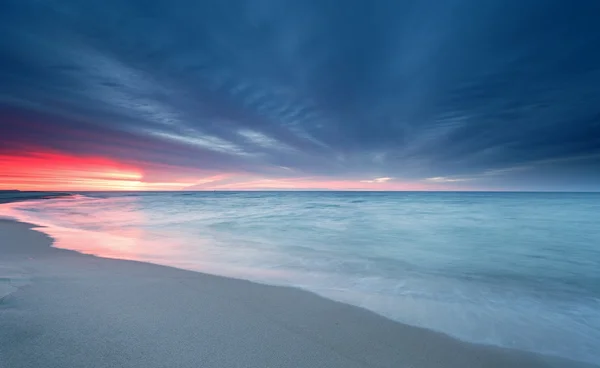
(517, 270)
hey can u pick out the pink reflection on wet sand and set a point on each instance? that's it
(92, 228)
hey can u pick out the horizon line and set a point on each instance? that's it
(299, 190)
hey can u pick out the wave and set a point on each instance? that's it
(443, 269)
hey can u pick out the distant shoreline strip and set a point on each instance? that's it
(7, 196)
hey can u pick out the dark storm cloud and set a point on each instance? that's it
(457, 90)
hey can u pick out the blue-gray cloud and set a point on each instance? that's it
(499, 93)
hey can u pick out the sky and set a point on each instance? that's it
(300, 95)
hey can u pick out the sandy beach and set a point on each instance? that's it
(59, 308)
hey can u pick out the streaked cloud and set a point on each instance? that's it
(441, 179)
(263, 141)
(489, 94)
(377, 180)
(203, 141)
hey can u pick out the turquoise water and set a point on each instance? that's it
(519, 270)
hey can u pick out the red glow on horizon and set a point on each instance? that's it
(56, 171)
(46, 170)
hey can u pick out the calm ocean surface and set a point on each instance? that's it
(519, 270)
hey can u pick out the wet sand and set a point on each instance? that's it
(59, 308)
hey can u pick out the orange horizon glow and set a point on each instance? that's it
(55, 171)
(46, 170)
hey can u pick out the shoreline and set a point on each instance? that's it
(131, 307)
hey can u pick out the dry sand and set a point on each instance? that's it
(63, 309)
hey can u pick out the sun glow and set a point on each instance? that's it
(49, 170)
